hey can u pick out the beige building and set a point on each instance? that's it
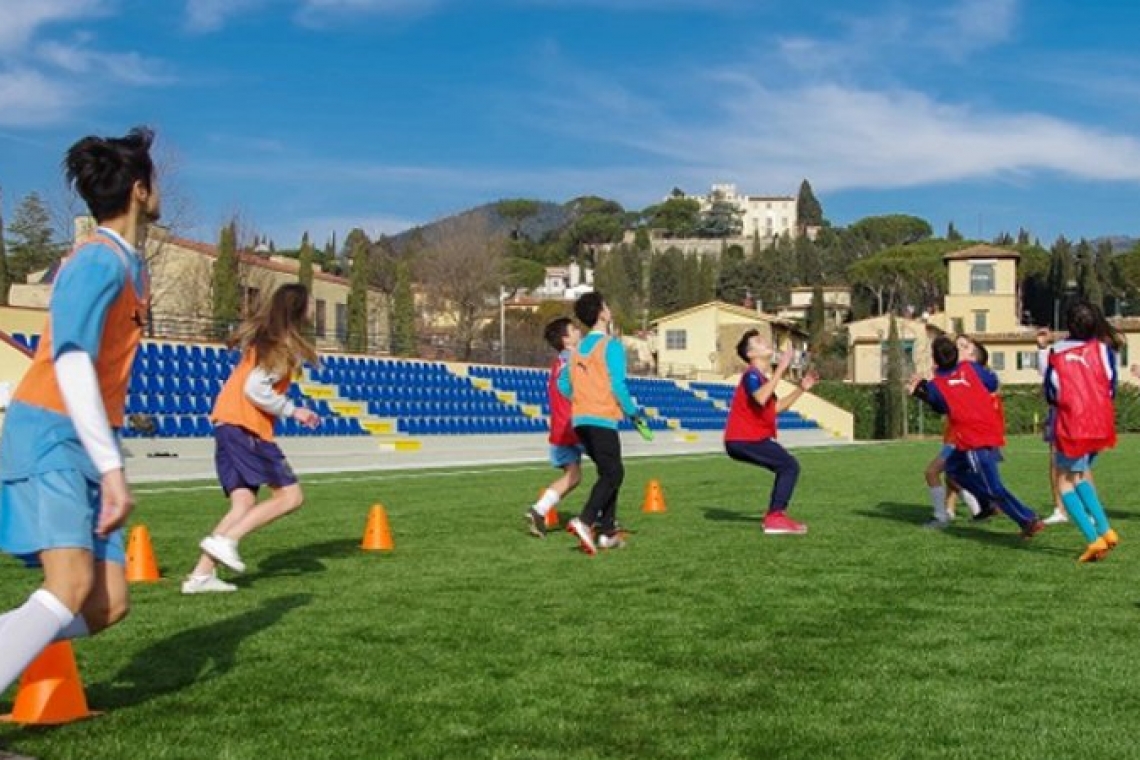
(836, 305)
(181, 274)
(699, 343)
(982, 301)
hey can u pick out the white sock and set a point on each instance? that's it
(547, 501)
(27, 631)
(938, 501)
(971, 502)
(76, 629)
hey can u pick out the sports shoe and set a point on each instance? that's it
(535, 523)
(936, 524)
(614, 541)
(1095, 551)
(206, 584)
(224, 550)
(1032, 529)
(1057, 518)
(778, 523)
(985, 513)
(1111, 539)
(582, 532)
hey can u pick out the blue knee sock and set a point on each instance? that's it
(1076, 509)
(1089, 498)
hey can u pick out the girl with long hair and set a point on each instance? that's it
(273, 346)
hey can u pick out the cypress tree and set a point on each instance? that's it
(894, 407)
(357, 339)
(305, 263)
(403, 318)
(226, 282)
(816, 319)
(5, 278)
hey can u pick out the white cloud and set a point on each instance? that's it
(22, 18)
(126, 68)
(978, 23)
(32, 99)
(211, 15)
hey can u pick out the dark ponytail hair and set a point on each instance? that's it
(1086, 321)
(103, 170)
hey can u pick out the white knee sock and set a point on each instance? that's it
(27, 630)
(971, 502)
(549, 499)
(938, 501)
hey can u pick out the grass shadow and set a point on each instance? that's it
(194, 655)
(919, 514)
(717, 514)
(302, 560)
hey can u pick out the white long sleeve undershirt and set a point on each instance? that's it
(80, 390)
(259, 390)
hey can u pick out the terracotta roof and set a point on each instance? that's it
(742, 311)
(982, 251)
(252, 259)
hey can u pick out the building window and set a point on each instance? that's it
(250, 300)
(981, 279)
(997, 361)
(1027, 360)
(957, 326)
(885, 356)
(320, 318)
(342, 322)
(980, 321)
(676, 340)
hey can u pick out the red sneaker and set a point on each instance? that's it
(1032, 529)
(778, 523)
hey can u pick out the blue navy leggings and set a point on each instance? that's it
(773, 457)
(977, 472)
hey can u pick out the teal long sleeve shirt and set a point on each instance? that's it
(615, 363)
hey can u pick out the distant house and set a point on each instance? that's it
(699, 343)
(982, 301)
(836, 305)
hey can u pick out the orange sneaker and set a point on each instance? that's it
(1096, 551)
(1111, 538)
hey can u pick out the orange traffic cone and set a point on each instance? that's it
(654, 498)
(141, 564)
(50, 690)
(377, 534)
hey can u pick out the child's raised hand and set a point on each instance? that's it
(1044, 337)
(784, 360)
(911, 384)
(306, 417)
(809, 380)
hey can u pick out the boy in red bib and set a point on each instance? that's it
(1080, 385)
(750, 433)
(963, 391)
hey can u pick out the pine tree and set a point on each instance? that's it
(357, 339)
(305, 263)
(403, 319)
(5, 279)
(952, 233)
(226, 282)
(31, 245)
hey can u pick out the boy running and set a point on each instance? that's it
(63, 491)
(565, 448)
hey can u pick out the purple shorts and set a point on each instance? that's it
(245, 461)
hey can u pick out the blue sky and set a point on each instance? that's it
(323, 115)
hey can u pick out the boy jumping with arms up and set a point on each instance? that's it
(750, 433)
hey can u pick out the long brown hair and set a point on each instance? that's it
(276, 333)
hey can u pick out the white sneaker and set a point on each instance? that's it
(610, 542)
(224, 550)
(206, 584)
(1057, 518)
(582, 532)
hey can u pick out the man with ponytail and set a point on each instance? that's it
(63, 492)
(273, 346)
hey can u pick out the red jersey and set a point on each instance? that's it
(748, 420)
(561, 426)
(975, 419)
(1086, 420)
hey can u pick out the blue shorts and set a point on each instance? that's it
(54, 510)
(245, 461)
(1074, 464)
(564, 456)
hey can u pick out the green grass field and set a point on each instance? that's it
(868, 638)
